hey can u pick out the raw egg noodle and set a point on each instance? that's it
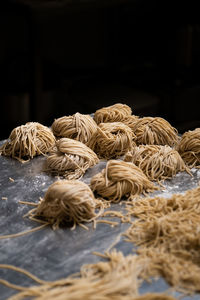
(121, 179)
(70, 159)
(113, 140)
(154, 131)
(78, 126)
(156, 161)
(27, 141)
(189, 148)
(115, 113)
(166, 231)
(67, 201)
(118, 278)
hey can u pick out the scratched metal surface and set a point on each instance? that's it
(49, 254)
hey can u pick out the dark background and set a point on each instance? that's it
(61, 57)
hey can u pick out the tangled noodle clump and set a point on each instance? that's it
(70, 159)
(67, 201)
(154, 131)
(189, 147)
(120, 179)
(78, 126)
(117, 278)
(156, 161)
(115, 113)
(27, 141)
(113, 140)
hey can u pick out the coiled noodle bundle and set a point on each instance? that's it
(66, 201)
(115, 113)
(156, 161)
(120, 179)
(70, 159)
(113, 140)
(154, 131)
(78, 126)
(27, 141)
(189, 147)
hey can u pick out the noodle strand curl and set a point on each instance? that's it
(120, 179)
(27, 141)
(154, 131)
(115, 113)
(113, 140)
(78, 126)
(67, 201)
(70, 159)
(156, 161)
(189, 147)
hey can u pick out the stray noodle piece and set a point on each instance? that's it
(4, 198)
(112, 223)
(67, 202)
(78, 126)
(189, 148)
(113, 140)
(156, 161)
(27, 141)
(121, 179)
(11, 179)
(115, 113)
(70, 159)
(154, 296)
(22, 233)
(154, 131)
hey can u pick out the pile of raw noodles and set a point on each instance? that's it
(167, 229)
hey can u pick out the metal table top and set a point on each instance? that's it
(49, 254)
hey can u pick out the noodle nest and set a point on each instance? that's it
(189, 148)
(120, 179)
(27, 141)
(156, 161)
(154, 131)
(66, 201)
(70, 159)
(115, 113)
(113, 140)
(78, 126)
